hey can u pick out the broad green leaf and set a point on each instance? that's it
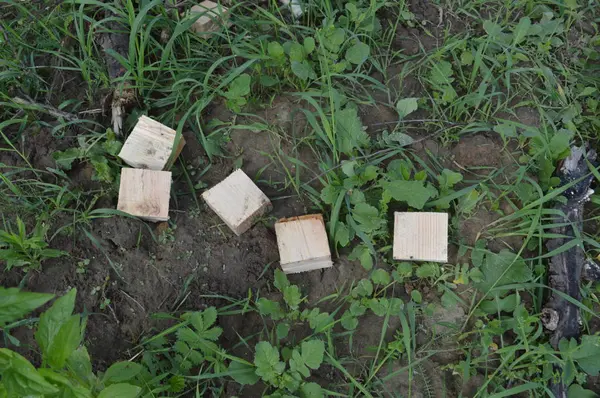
(65, 159)
(309, 44)
(65, 342)
(381, 277)
(80, 364)
(311, 390)
(120, 390)
(362, 253)
(242, 373)
(358, 53)
(521, 30)
(312, 353)
(20, 378)
(52, 321)
(497, 304)
(302, 69)
(121, 371)
(319, 321)
(275, 50)
(367, 217)
(281, 280)
(364, 288)
(282, 330)
(414, 193)
(350, 133)
(266, 360)
(406, 106)
(357, 309)
(296, 52)
(448, 179)
(503, 268)
(441, 73)
(239, 87)
(348, 321)
(209, 316)
(15, 304)
(269, 308)
(416, 296)
(427, 270)
(587, 355)
(297, 364)
(575, 390)
(506, 130)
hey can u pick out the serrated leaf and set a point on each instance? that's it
(292, 296)
(15, 304)
(350, 134)
(209, 316)
(406, 106)
(364, 288)
(441, 73)
(363, 254)
(312, 353)
(266, 360)
(367, 217)
(297, 364)
(269, 308)
(414, 193)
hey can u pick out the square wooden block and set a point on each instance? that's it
(214, 16)
(238, 201)
(302, 243)
(421, 237)
(150, 144)
(145, 193)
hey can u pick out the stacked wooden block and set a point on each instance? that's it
(212, 17)
(145, 189)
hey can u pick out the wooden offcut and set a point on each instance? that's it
(237, 201)
(421, 237)
(302, 243)
(213, 17)
(145, 193)
(150, 145)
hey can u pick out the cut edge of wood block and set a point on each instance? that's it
(211, 19)
(437, 254)
(175, 154)
(307, 265)
(126, 205)
(264, 206)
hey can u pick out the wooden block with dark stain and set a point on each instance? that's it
(150, 145)
(421, 236)
(237, 201)
(145, 193)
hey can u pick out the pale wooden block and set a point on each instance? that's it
(145, 193)
(150, 144)
(214, 16)
(302, 243)
(238, 201)
(421, 237)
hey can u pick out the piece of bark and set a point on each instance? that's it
(145, 193)
(302, 243)
(565, 269)
(421, 236)
(117, 39)
(237, 201)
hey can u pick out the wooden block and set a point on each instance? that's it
(150, 144)
(302, 243)
(214, 16)
(238, 201)
(145, 193)
(421, 237)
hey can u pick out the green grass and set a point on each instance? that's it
(524, 74)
